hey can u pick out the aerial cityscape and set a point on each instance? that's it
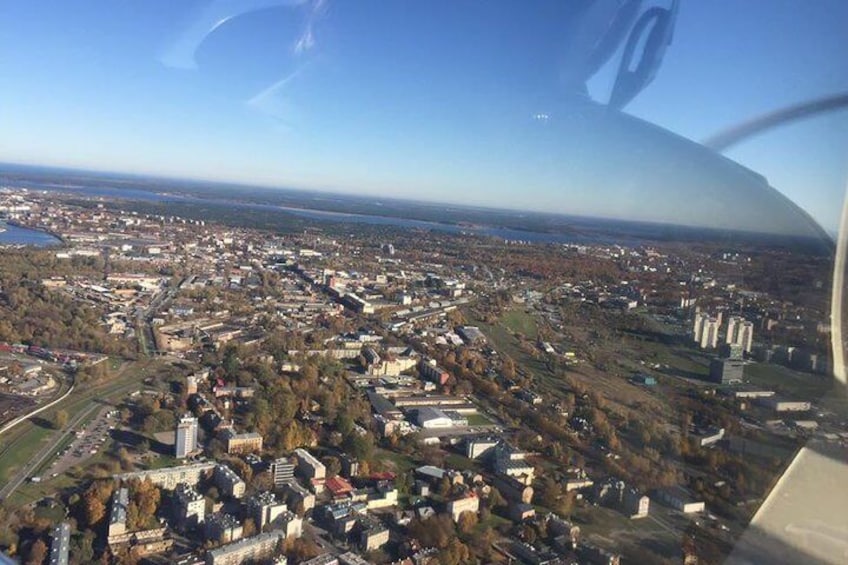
(312, 282)
(186, 390)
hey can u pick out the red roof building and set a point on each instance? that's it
(338, 487)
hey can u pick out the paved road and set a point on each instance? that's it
(23, 417)
(46, 451)
(80, 404)
(145, 317)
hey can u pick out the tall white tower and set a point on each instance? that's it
(186, 436)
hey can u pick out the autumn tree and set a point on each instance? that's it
(435, 531)
(456, 553)
(144, 501)
(93, 502)
(467, 521)
(37, 553)
(249, 527)
(60, 420)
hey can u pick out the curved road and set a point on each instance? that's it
(23, 417)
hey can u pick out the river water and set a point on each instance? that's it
(14, 235)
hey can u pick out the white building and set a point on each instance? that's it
(709, 334)
(186, 443)
(60, 541)
(282, 470)
(680, 499)
(228, 482)
(468, 503)
(190, 505)
(698, 326)
(252, 549)
(745, 337)
(432, 418)
(308, 465)
(740, 332)
(479, 446)
(290, 524)
(265, 508)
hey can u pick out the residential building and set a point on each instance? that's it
(282, 471)
(60, 540)
(432, 372)
(350, 465)
(521, 512)
(701, 319)
(514, 490)
(298, 498)
(726, 371)
(252, 549)
(733, 324)
(242, 443)
(228, 482)
(169, 477)
(740, 332)
(223, 527)
(186, 443)
(467, 503)
(478, 447)
(264, 508)
(308, 466)
(709, 334)
(373, 536)
(384, 495)
(190, 506)
(634, 503)
(290, 524)
(118, 512)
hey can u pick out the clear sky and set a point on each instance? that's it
(459, 101)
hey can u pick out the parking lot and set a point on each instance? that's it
(87, 442)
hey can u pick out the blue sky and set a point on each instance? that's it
(460, 101)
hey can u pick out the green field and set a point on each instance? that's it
(399, 462)
(478, 420)
(796, 385)
(23, 442)
(26, 445)
(518, 320)
(460, 462)
(503, 341)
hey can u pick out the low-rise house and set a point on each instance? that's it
(466, 503)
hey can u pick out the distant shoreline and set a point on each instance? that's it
(59, 240)
(49, 232)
